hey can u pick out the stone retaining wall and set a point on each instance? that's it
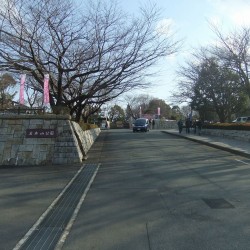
(162, 124)
(43, 139)
(231, 134)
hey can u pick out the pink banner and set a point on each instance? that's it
(46, 90)
(21, 97)
(159, 111)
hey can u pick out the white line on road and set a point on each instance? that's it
(242, 162)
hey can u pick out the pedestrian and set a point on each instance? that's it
(199, 126)
(150, 123)
(188, 124)
(153, 123)
(180, 125)
(194, 126)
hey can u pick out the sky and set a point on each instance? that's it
(191, 20)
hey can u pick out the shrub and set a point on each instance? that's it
(227, 126)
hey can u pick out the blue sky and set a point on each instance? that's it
(190, 19)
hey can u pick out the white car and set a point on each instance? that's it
(241, 119)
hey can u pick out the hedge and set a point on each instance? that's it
(227, 126)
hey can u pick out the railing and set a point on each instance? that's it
(23, 111)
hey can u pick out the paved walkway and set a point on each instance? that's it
(231, 145)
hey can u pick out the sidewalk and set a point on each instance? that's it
(231, 145)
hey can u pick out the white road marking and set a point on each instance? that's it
(242, 162)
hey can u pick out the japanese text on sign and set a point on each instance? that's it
(40, 133)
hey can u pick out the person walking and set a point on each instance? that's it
(199, 126)
(153, 123)
(195, 126)
(180, 125)
(150, 123)
(188, 124)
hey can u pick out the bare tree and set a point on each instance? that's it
(34, 97)
(233, 49)
(92, 54)
(137, 105)
(7, 82)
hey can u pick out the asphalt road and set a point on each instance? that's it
(156, 191)
(152, 191)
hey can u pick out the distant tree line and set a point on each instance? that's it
(145, 105)
(215, 80)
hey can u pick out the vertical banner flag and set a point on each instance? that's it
(21, 97)
(159, 111)
(46, 90)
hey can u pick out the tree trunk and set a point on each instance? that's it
(78, 115)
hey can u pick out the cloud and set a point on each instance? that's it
(236, 12)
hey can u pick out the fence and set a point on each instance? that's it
(20, 111)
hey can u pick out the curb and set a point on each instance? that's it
(228, 149)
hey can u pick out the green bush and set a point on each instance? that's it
(227, 126)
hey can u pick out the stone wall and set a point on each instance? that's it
(163, 124)
(43, 139)
(231, 134)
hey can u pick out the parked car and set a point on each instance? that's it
(105, 124)
(242, 119)
(141, 124)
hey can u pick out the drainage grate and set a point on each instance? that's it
(218, 203)
(49, 231)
